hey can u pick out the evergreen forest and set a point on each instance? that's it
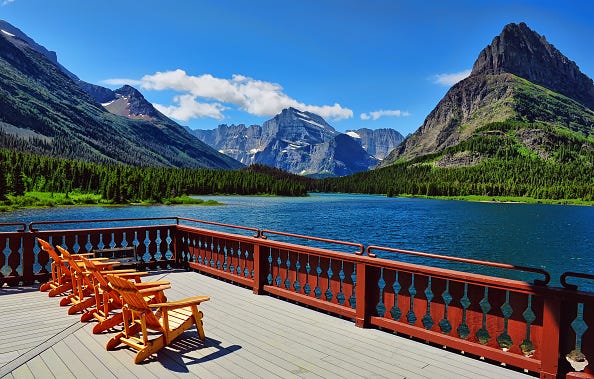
(503, 166)
(121, 184)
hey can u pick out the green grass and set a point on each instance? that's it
(508, 199)
(186, 200)
(48, 200)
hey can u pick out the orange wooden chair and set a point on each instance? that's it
(170, 320)
(107, 300)
(61, 281)
(81, 297)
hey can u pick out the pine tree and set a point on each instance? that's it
(3, 184)
(18, 184)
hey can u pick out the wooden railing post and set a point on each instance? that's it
(28, 258)
(260, 270)
(361, 318)
(367, 296)
(177, 246)
(551, 327)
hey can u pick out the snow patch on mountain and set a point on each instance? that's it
(312, 122)
(7, 33)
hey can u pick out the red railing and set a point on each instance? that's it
(531, 326)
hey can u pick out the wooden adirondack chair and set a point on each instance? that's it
(81, 297)
(107, 300)
(61, 281)
(170, 320)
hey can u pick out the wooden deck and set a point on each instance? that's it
(248, 336)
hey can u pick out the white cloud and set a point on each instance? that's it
(6, 2)
(254, 96)
(189, 108)
(450, 79)
(383, 113)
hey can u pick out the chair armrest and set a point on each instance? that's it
(144, 285)
(77, 256)
(153, 289)
(181, 303)
(104, 264)
(128, 273)
(121, 272)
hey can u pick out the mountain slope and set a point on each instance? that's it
(294, 141)
(45, 111)
(519, 77)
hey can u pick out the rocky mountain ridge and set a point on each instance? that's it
(44, 109)
(520, 51)
(377, 142)
(301, 143)
(518, 77)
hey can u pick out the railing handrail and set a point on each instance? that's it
(222, 224)
(547, 276)
(22, 224)
(36, 223)
(565, 275)
(359, 275)
(318, 239)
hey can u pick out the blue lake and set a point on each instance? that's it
(553, 237)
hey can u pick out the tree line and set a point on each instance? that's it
(506, 167)
(22, 172)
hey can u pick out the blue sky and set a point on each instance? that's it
(372, 63)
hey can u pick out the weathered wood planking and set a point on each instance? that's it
(248, 336)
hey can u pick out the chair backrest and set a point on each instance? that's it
(96, 272)
(45, 246)
(66, 256)
(133, 299)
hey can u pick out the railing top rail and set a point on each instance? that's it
(38, 223)
(547, 276)
(580, 275)
(256, 230)
(318, 239)
(22, 224)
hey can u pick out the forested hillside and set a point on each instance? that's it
(498, 160)
(21, 172)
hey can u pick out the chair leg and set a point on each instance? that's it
(67, 300)
(108, 323)
(45, 286)
(198, 321)
(117, 339)
(114, 341)
(152, 347)
(60, 289)
(88, 302)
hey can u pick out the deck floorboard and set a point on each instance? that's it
(248, 336)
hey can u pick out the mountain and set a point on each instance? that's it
(297, 142)
(45, 109)
(519, 77)
(379, 142)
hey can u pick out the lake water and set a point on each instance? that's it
(553, 237)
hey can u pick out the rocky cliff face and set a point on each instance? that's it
(295, 141)
(509, 81)
(520, 51)
(379, 142)
(238, 141)
(130, 103)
